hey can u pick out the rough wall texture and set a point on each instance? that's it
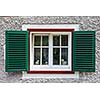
(15, 23)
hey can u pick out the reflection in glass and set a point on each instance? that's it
(37, 40)
(36, 56)
(56, 56)
(56, 40)
(64, 40)
(44, 40)
(45, 56)
(64, 56)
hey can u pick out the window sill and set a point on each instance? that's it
(26, 75)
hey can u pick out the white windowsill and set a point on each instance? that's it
(25, 75)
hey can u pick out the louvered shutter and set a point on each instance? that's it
(84, 51)
(16, 51)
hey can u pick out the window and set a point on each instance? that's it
(53, 49)
(50, 51)
(60, 50)
(40, 50)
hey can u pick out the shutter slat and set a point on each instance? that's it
(84, 51)
(16, 51)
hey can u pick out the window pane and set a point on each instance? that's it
(56, 40)
(37, 40)
(44, 56)
(64, 56)
(56, 56)
(37, 56)
(64, 40)
(45, 41)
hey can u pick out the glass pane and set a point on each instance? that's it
(56, 56)
(37, 40)
(56, 40)
(64, 40)
(64, 56)
(45, 56)
(37, 56)
(45, 41)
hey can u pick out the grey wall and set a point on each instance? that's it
(15, 23)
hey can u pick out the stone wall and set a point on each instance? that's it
(15, 23)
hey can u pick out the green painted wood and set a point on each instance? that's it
(84, 51)
(16, 51)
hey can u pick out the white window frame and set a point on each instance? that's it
(50, 66)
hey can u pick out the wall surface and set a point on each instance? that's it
(15, 23)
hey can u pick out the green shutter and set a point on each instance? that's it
(84, 51)
(16, 51)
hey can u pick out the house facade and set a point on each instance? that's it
(65, 26)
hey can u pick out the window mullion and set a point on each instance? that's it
(41, 52)
(60, 49)
(50, 50)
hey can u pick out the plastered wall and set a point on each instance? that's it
(15, 23)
